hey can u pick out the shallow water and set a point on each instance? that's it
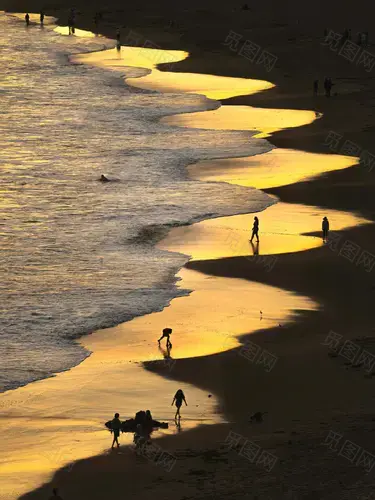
(76, 253)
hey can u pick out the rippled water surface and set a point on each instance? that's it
(77, 254)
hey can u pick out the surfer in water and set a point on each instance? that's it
(103, 178)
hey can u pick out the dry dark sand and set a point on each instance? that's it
(308, 393)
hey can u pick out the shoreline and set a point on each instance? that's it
(34, 400)
(233, 267)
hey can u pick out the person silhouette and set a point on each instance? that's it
(325, 228)
(118, 40)
(115, 428)
(316, 87)
(27, 19)
(255, 229)
(179, 397)
(55, 495)
(41, 18)
(166, 334)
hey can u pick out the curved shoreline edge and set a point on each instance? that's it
(190, 265)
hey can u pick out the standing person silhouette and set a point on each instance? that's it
(316, 87)
(178, 398)
(255, 229)
(325, 228)
(27, 19)
(118, 40)
(41, 18)
(115, 427)
(166, 334)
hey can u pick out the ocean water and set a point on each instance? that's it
(76, 254)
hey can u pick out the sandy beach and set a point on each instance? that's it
(256, 333)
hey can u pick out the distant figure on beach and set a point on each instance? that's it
(115, 428)
(328, 86)
(72, 22)
(41, 18)
(255, 229)
(118, 39)
(178, 398)
(97, 18)
(316, 87)
(27, 19)
(55, 495)
(349, 34)
(325, 228)
(166, 334)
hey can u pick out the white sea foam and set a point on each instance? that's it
(76, 254)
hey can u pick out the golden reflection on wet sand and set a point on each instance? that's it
(263, 121)
(55, 421)
(49, 423)
(64, 30)
(213, 87)
(281, 231)
(278, 167)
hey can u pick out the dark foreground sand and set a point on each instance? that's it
(309, 395)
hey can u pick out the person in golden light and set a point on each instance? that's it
(255, 229)
(166, 334)
(115, 427)
(325, 228)
(178, 398)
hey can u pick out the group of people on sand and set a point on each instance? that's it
(41, 17)
(144, 423)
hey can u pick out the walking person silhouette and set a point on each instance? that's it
(255, 229)
(115, 428)
(179, 397)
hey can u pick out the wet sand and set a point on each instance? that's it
(283, 229)
(307, 395)
(278, 167)
(203, 325)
